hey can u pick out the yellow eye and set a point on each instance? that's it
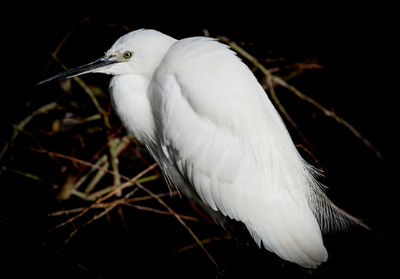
(127, 54)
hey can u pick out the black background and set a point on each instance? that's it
(352, 43)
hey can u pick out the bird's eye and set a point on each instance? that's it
(127, 54)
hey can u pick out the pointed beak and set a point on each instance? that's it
(99, 63)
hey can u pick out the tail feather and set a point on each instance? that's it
(329, 216)
(289, 230)
(290, 223)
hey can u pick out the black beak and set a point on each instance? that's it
(101, 62)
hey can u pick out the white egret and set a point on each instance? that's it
(217, 137)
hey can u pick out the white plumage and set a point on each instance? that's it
(209, 124)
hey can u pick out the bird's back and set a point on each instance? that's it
(218, 129)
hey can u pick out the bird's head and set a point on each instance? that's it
(138, 52)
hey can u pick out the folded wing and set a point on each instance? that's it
(219, 130)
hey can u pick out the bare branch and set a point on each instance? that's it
(279, 81)
(180, 220)
(154, 210)
(20, 126)
(328, 113)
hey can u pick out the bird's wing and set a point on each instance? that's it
(218, 128)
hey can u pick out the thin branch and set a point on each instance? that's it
(114, 151)
(299, 94)
(328, 113)
(204, 241)
(129, 182)
(284, 111)
(180, 220)
(108, 208)
(58, 47)
(87, 90)
(112, 188)
(134, 180)
(154, 210)
(103, 163)
(103, 160)
(269, 84)
(97, 216)
(25, 174)
(148, 197)
(20, 126)
(103, 205)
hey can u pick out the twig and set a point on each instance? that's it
(113, 148)
(204, 241)
(103, 163)
(20, 126)
(129, 182)
(97, 216)
(108, 208)
(65, 38)
(182, 223)
(112, 188)
(269, 84)
(59, 46)
(103, 205)
(116, 145)
(87, 90)
(145, 198)
(150, 209)
(134, 180)
(100, 200)
(283, 110)
(299, 94)
(25, 174)
(111, 205)
(328, 113)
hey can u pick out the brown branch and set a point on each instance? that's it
(103, 205)
(101, 192)
(328, 113)
(269, 84)
(154, 210)
(204, 241)
(20, 126)
(284, 111)
(283, 83)
(180, 220)
(134, 180)
(87, 90)
(113, 149)
(108, 207)
(129, 182)
(97, 216)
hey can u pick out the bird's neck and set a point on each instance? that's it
(129, 95)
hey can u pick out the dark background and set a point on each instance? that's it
(354, 46)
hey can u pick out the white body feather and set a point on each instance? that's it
(210, 125)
